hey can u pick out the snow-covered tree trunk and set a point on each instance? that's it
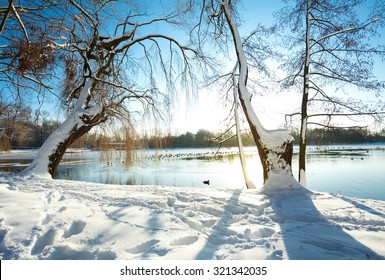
(305, 101)
(275, 147)
(78, 123)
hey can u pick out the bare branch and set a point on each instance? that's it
(6, 12)
(84, 12)
(347, 30)
(20, 22)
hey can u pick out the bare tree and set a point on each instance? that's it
(111, 62)
(334, 53)
(15, 119)
(274, 146)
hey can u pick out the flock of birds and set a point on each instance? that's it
(220, 153)
(178, 155)
(187, 154)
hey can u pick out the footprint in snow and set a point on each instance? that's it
(144, 247)
(62, 209)
(48, 218)
(51, 197)
(43, 241)
(76, 228)
(276, 255)
(170, 201)
(262, 232)
(187, 240)
(149, 247)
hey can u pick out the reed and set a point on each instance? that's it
(5, 144)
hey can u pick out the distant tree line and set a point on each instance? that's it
(328, 136)
(316, 136)
(21, 127)
(201, 139)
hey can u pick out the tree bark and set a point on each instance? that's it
(57, 155)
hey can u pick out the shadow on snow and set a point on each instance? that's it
(218, 236)
(363, 207)
(308, 235)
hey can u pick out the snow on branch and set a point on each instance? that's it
(338, 32)
(268, 135)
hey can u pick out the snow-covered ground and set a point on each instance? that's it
(54, 219)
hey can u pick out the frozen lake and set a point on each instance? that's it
(357, 171)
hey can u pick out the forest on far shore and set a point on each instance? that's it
(316, 136)
(30, 130)
(21, 127)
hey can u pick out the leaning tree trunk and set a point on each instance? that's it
(275, 147)
(78, 123)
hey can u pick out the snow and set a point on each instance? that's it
(303, 181)
(280, 182)
(43, 218)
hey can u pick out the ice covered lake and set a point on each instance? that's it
(357, 171)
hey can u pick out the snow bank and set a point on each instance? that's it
(53, 219)
(280, 182)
